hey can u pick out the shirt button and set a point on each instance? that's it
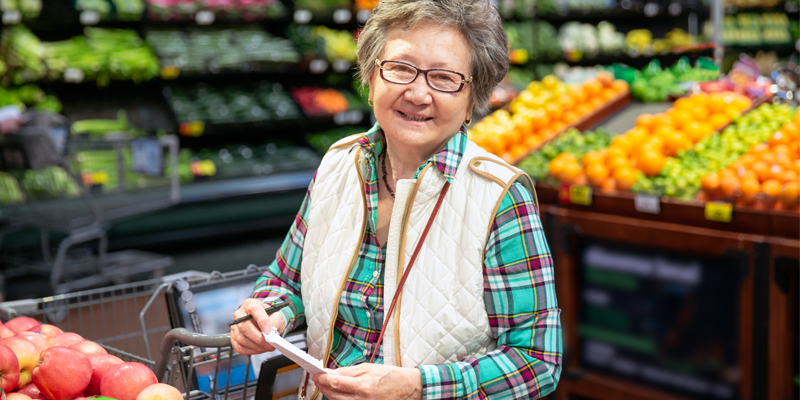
(369, 315)
(375, 274)
(366, 353)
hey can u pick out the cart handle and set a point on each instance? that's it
(190, 338)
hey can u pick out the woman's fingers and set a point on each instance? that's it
(248, 335)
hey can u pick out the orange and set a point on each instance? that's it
(655, 141)
(571, 172)
(700, 112)
(625, 142)
(758, 148)
(790, 193)
(616, 151)
(583, 109)
(716, 103)
(570, 117)
(791, 130)
(637, 134)
(718, 120)
(651, 163)
(592, 157)
(625, 177)
(775, 172)
(740, 103)
(680, 117)
(532, 141)
(675, 142)
(558, 126)
(663, 131)
(787, 176)
(747, 160)
(778, 138)
(726, 173)
(747, 174)
(620, 86)
(644, 120)
(605, 78)
(731, 113)
(608, 185)
(608, 94)
(729, 185)
(750, 188)
(517, 150)
(592, 87)
(662, 119)
(710, 182)
(554, 111)
(597, 173)
(615, 163)
(780, 149)
(579, 94)
(761, 168)
(596, 103)
(771, 188)
(539, 118)
(683, 104)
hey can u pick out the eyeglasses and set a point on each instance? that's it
(438, 79)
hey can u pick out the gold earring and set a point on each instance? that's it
(468, 121)
(371, 104)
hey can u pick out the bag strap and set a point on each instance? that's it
(399, 285)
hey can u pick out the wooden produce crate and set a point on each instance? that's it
(696, 300)
(587, 122)
(745, 220)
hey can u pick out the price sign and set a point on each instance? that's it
(719, 211)
(204, 17)
(342, 16)
(170, 72)
(12, 17)
(646, 203)
(147, 157)
(563, 193)
(73, 75)
(579, 194)
(90, 17)
(194, 129)
(302, 16)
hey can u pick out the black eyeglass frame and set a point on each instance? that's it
(380, 65)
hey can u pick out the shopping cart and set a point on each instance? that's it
(127, 319)
(56, 202)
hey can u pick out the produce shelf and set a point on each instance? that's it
(745, 220)
(587, 122)
(618, 14)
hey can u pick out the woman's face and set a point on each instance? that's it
(415, 115)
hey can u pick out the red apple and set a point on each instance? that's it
(5, 332)
(22, 324)
(65, 339)
(100, 364)
(17, 396)
(88, 348)
(27, 355)
(125, 381)
(37, 339)
(33, 392)
(48, 330)
(9, 369)
(160, 391)
(63, 373)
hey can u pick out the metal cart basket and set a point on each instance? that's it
(128, 319)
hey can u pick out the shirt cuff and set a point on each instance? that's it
(289, 316)
(442, 381)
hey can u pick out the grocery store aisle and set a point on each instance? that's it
(225, 258)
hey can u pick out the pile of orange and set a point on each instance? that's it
(542, 111)
(766, 173)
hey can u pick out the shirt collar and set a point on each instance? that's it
(446, 160)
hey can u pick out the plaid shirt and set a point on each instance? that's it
(519, 294)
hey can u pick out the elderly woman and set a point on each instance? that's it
(417, 259)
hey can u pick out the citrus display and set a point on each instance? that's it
(717, 156)
(768, 171)
(570, 147)
(542, 111)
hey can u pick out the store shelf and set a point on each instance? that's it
(619, 14)
(692, 213)
(637, 62)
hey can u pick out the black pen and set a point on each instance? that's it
(270, 310)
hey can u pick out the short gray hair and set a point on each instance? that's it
(477, 20)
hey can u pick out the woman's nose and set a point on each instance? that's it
(418, 92)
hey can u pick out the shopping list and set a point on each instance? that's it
(303, 359)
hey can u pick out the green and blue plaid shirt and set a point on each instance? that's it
(518, 291)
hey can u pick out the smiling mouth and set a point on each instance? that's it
(412, 118)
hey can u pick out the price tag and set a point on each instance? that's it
(579, 194)
(12, 17)
(342, 16)
(147, 157)
(73, 75)
(563, 193)
(302, 16)
(204, 17)
(193, 129)
(341, 65)
(363, 16)
(646, 203)
(719, 211)
(318, 66)
(90, 17)
(170, 72)
(203, 168)
(97, 178)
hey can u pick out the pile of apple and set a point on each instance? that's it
(41, 362)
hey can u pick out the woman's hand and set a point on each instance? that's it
(246, 337)
(370, 381)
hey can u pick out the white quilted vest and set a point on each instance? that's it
(441, 312)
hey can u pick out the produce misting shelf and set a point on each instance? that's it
(588, 122)
(778, 223)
